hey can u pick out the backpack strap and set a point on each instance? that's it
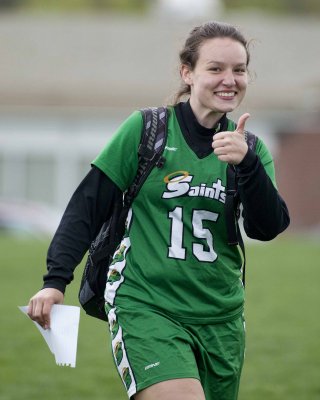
(230, 209)
(232, 204)
(153, 136)
(152, 143)
(251, 140)
(232, 199)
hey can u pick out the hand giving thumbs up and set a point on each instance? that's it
(231, 147)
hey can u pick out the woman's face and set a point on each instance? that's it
(219, 80)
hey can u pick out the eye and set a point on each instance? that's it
(215, 69)
(240, 70)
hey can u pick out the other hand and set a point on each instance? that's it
(231, 147)
(39, 307)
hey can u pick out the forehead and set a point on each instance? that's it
(222, 50)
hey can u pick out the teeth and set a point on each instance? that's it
(226, 94)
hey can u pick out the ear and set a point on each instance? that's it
(186, 74)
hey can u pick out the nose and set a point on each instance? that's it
(229, 78)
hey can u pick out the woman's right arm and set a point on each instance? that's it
(88, 208)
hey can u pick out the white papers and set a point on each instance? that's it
(62, 337)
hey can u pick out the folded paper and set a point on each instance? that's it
(62, 337)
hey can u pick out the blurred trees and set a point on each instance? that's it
(276, 6)
(311, 7)
(76, 5)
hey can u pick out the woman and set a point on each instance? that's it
(175, 308)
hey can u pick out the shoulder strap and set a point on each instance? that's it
(152, 143)
(154, 132)
(251, 140)
(232, 204)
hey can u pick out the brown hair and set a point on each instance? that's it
(190, 53)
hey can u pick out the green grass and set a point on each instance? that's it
(283, 329)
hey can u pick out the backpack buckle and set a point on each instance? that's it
(160, 162)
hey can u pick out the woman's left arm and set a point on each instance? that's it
(264, 211)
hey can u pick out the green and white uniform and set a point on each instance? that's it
(174, 258)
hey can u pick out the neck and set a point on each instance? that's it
(205, 117)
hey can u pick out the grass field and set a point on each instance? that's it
(282, 319)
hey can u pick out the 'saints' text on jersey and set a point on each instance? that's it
(179, 184)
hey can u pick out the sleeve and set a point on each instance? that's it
(88, 208)
(119, 158)
(265, 213)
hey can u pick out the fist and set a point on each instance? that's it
(40, 305)
(231, 147)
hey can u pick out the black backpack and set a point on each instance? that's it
(153, 141)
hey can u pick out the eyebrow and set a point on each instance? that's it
(222, 63)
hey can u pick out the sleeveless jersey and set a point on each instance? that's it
(174, 256)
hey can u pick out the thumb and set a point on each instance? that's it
(241, 122)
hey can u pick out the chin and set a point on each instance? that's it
(229, 105)
(225, 110)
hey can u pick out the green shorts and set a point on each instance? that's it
(149, 347)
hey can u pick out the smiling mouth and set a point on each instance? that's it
(225, 95)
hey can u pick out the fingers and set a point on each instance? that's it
(241, 122)
(41, 303)
(46, 311)
(39, 311)
(222, 139)
(231, 147)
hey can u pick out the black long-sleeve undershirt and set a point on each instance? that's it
(88, 208)
(264, 211)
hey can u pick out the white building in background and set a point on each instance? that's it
(66, 83)
(190, 9)
(45, 153)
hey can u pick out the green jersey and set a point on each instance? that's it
(174, 256)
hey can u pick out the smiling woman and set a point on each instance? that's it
(218, 82)
(213, 69)
(173, 289)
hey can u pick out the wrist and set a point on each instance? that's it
(59, 285)
(248, 161)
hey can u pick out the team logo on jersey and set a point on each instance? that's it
(171, 148)
(178, 184)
